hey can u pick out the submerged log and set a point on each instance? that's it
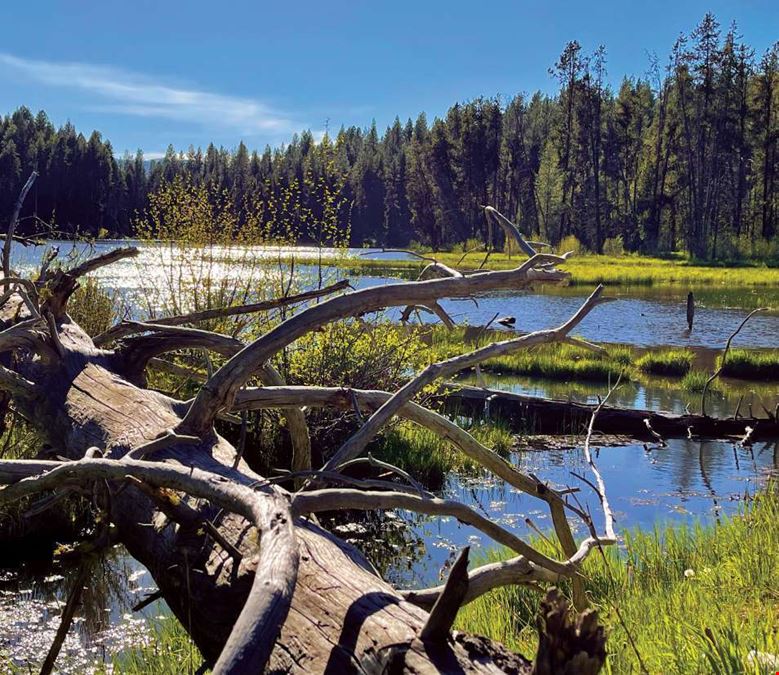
(532, 414)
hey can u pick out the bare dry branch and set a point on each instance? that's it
(611, 537)
(9, 237)
(444, 611)
(716, 373)
(357, 442)
(129, 327)
(337, 499)
(512, 572)
(219, 391)
(511, 230)
(66, 619)
(339, 397)
(103, 260)
(64, 282)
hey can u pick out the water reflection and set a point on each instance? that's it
(654, 394)
(682, 483)
(31, 602)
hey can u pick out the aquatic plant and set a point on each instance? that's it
(169, 651)
(695, 381)
(751, 364)
(429, 458)
(676, 362)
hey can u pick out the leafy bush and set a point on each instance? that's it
(572, 244)
(92, 308)
(355, 354)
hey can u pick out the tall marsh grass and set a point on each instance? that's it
(751, 364)
(673, 362)
(694, 599)
(429, 458)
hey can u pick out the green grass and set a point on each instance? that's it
(751, 364)
(563, 362)
(428, 457)
(695, 381)
(170, 651)
(555, 362)
(567, 362)
(670, 363)
(671, 586)
(613, 270)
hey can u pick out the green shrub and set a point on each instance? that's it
(364, 356)
(572, 244)
(614, 246)
(92, 308)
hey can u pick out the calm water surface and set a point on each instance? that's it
(644, 317)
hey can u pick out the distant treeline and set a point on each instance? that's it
(683, 158)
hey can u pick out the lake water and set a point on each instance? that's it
(648, 319)
(647, 485)
(686, 481)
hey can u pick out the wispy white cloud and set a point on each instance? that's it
(120, 91)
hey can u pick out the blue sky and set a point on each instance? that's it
(147, 74)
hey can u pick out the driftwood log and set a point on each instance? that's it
(532, 414)
(239, 559)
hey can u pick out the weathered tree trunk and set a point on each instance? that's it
(342, 617)
(255, 583)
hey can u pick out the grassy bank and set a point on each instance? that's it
(692, 599)
(589, 269)
(567, 362)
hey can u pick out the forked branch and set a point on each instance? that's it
(220, 389)
(254, 634)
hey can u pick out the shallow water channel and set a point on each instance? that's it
(684, 482)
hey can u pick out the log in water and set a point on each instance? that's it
(550, 416)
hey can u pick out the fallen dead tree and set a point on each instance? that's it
(550, 416)
(239, 560)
